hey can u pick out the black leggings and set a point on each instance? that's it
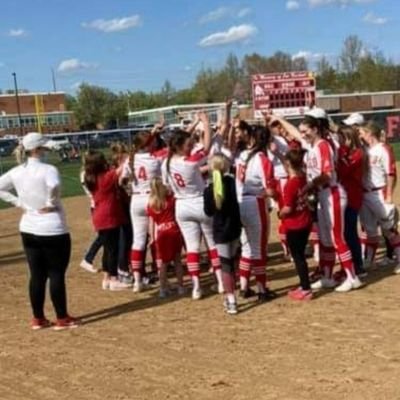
(110, 240)
(48, 258)
(297, 242)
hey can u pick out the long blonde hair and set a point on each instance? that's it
(219, 165)
(158, 194)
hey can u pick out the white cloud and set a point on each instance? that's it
(215, 15)
(73, 65)
(371, 18)
(308, 55)
(114, 25)
(239, 33)
(2, 64)
(244, 12)
(188, 68)
(292, 5)
(342, 3)
(17, 32)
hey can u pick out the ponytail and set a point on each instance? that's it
(158, 194)
(218, 189)
(219, 165)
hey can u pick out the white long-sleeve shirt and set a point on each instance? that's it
(37, 186)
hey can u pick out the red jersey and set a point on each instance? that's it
(165, 218)
(350, 169)
(169, 240)
(300, 217)
(108, 210)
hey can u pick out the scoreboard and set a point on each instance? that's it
(287, 94)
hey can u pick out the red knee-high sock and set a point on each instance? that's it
(258, 268)
(244, 268)
(214, 259)
(193, 264)
(137, 257)
(346, 261)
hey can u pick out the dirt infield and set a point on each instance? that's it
(338, 346)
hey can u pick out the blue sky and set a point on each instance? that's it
(137, 44)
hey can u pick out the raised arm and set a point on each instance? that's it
(224, 131)
(207, 132)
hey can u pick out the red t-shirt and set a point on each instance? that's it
(300, 217)
(165, 218)
(350, 169)
(108, 206)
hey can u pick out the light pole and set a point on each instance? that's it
(17, 101)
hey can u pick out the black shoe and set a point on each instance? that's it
(268, 295)
(246, 294)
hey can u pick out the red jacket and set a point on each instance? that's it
(350, 169)
(108, 206)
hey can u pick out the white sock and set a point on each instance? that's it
(316, 252)
(231, 298)
(218, 275)
(196, 282)
(136, 277)
(243, 283)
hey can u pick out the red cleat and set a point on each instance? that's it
(300, 295)
(66, 323)
(40, 323)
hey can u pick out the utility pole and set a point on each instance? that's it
(54, 80)
(21, 132)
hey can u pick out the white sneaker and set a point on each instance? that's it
(105, 284)
(88, 267)
(137, 287)
(116, 285)
(323, 283)
(397, 269)
(196, 294)
(349, 284)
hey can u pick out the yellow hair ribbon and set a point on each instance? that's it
(218, 188)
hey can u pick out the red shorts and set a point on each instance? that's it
(169, 244)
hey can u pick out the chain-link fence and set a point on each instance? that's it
(67, 152)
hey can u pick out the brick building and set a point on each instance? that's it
(45, 112)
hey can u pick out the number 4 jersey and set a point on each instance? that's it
(146, 166)
(183, 175)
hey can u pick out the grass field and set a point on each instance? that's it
(70, 172)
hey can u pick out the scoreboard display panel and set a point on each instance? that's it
(287, 94)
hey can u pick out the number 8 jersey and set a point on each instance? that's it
(184, 176)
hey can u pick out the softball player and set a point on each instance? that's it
(145, 165)
(254, 182)
(378, 208)
(181, 172)
(277, 150)
(321, 176)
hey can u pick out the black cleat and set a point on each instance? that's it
(268, 295)
(246, 294)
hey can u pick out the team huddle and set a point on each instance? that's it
(214, 188)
